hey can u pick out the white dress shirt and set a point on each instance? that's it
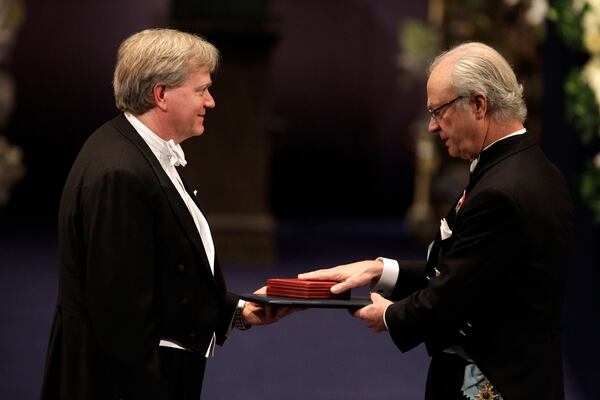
(169, 156)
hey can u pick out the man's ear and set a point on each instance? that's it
(481, 104)
(159, 91)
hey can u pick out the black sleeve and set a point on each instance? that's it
(411, 277)
(472, 263)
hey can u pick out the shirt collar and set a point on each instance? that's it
(475, 161)
(165, 151)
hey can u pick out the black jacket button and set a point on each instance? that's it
(181, 268)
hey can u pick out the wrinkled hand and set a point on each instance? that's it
(349, 275)
(259, 314)
(372, 315)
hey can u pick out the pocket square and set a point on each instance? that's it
(445, 230)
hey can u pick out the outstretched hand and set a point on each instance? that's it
(349, 275)
(372, 315)
(259, 314)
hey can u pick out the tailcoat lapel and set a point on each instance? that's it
(498, 152)
(178, 207)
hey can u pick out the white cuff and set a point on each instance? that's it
(388, 279)
(210, 352)
(240, 305)
(384, 320)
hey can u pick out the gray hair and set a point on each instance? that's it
(479, 68)
(157, 56)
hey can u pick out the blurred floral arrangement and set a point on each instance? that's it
(11, 157)
(578, 22)
(11, 168)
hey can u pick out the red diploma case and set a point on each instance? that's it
(303, 289)
(293, 292)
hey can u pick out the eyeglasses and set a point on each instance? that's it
(435, 112)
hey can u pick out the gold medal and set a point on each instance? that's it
(487, 391)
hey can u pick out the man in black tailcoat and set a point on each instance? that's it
(142, 301)
(488, 300)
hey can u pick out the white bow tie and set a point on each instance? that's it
(175, 154)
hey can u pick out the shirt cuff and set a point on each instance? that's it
(240, 305)
(389, 277)
(384, 320)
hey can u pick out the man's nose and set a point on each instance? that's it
(210, 101)
(433, 126)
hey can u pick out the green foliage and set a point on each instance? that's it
(582, 108)
(568, 22)
(419, 43)
(590, 189)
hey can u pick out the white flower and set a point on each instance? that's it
(597, 161)
(578, 4)
(591, 27)
(594, 4)
(445, 231)
(591, 41)
(537, 12)
(591, 74)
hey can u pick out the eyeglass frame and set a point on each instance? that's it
(434, 112)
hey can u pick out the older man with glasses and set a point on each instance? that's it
(487, 299)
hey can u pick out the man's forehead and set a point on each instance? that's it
(441, 73)
(438, 87)
(200, 74)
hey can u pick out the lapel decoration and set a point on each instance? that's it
(461, 201)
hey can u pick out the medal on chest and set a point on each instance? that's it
(487, 392)
(461, 201)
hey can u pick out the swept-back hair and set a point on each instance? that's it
(476, 67)
(157, 56)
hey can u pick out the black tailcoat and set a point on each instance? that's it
(499, 285)
(133, 270)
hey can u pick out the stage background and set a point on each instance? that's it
(339, 179)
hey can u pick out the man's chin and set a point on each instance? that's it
(199, 132)
(452, 152)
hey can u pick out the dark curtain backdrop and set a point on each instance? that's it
(341, 144)
(63, 63)
(339, 124)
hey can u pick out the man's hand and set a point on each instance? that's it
(372, 315)
(259, 314)
(350, 275)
